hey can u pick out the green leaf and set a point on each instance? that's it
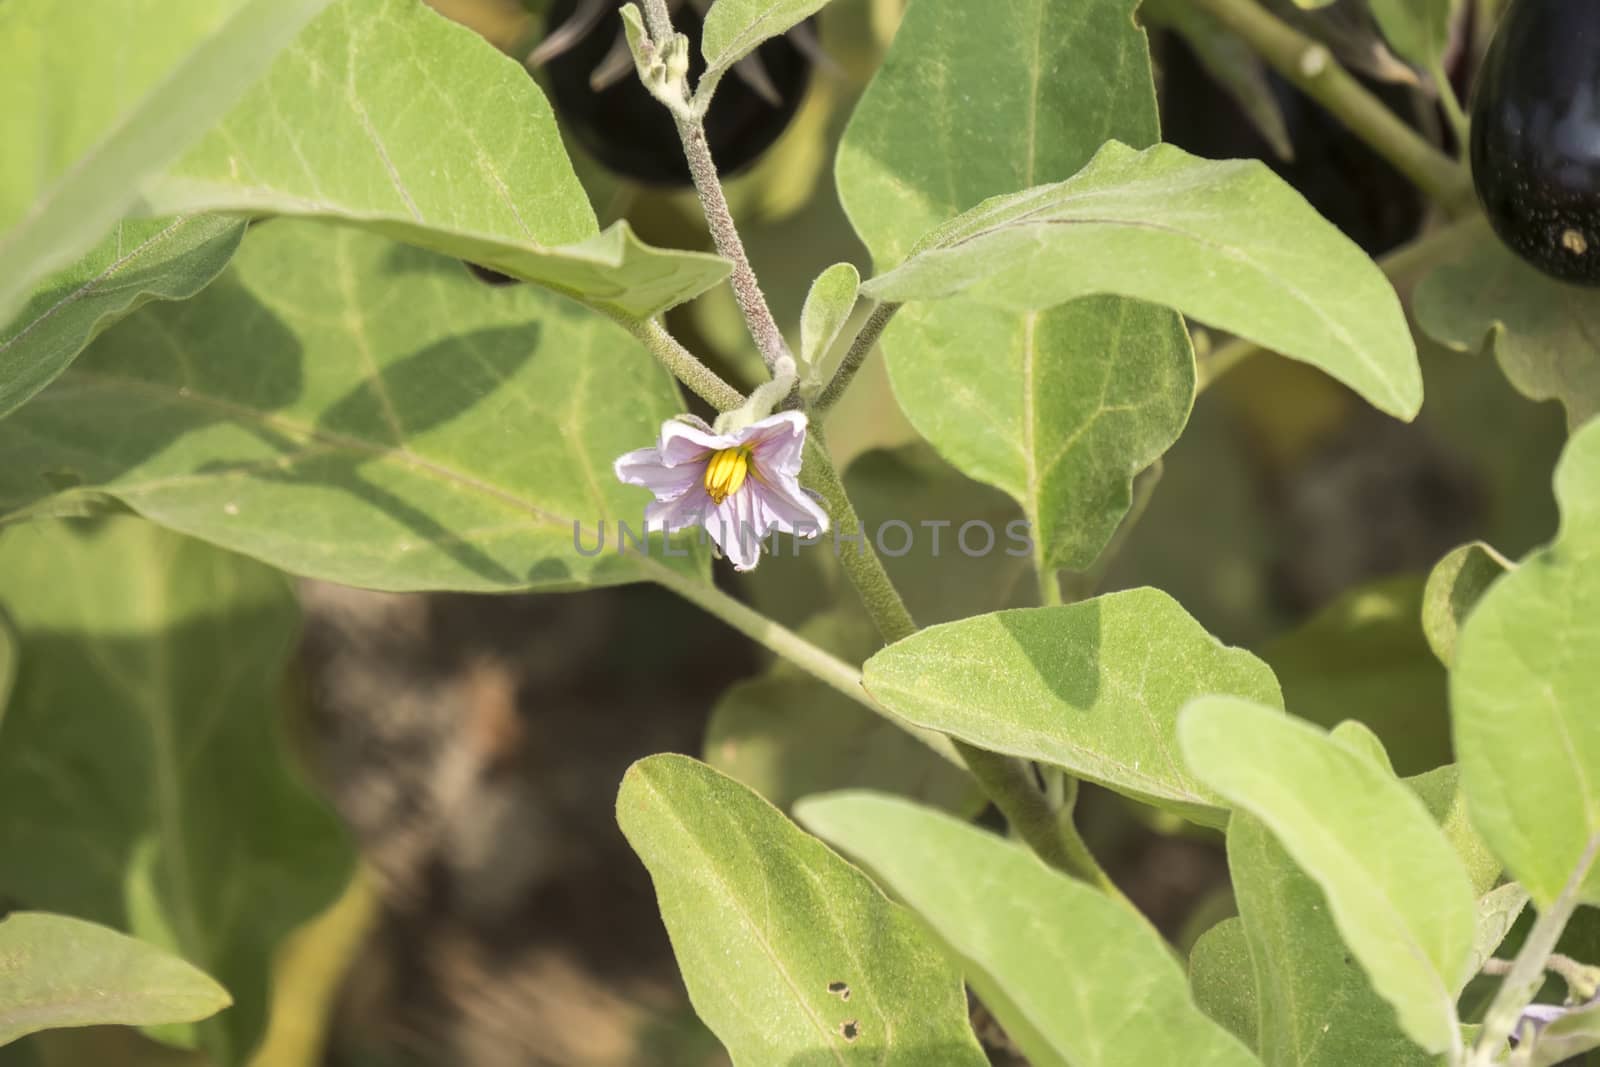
(139, 261)
(1073, 976)
(1364, 655)
(735, 28)
(1454, 588)
(8, 662)
(99, 95)
(1440, 792)
(791, 956)
(1398, 894)
(1522, 695)
(827, 309)
(60, 971)
(1227, 242)
(1358, 739)
(1222, 981)
(1419, 30)
(786, 735)
(143, 779)
(397, 425)
(1545, 334)
(1093, 687)
(1315, 1006)
(386, 115)
(1498, 910)
(1060, 409)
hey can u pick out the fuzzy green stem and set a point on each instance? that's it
(860, 348)
(1312, 68)
(817, 662)
(1451, 104)
(682, 364)
(719, 219)
(1516, 992)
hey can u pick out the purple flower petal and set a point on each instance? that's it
(644, 467)
(778, 442)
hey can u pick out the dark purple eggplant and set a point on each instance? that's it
(1536, 136)
(600, 100)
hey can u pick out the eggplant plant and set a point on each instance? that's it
(245, 337)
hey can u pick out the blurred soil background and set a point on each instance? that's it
(474, 744)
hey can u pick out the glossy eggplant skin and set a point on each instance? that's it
(633, 135)
(1536, 136)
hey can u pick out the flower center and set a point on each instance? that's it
(726, 472)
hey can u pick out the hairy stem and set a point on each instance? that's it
(691, 131)
(866, 339)
(682, 364)
(1527, 970)
(817, 662)
(1311, 67)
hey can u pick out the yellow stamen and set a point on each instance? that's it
(726, 473)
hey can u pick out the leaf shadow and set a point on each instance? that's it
(1062, 645)
(157, 379)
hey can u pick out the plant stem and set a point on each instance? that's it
(817, 662)
(746, 289)
(860, 349)
(1404, 267)
(861, 565)
(683, 365)
(1311, 67)
(1527, 970)
(1451, 104)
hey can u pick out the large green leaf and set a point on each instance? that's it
(98, 95)
(354, 410)
(385, 114)
(1094, 687)
(1397, 891)
(1227, 242)
(791, 956)
(1059, 408)
(1546, 334)
(1315, 1005)
(1074, 977)
(139, 261)
(143, 782)
(1523, 695)
(61, 971)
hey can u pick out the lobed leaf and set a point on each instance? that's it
(1228, 243)
(1545, 334)
(1527, 666)
(61, 971)
(143, 779)
(398, 425)
(81, 130)
(1074, 977)
(791, 956)
(388, 116)
(139, 261)
(1397, 892)
(1221, 979)
(1093, 687)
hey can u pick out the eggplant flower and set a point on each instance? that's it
(740, 486)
